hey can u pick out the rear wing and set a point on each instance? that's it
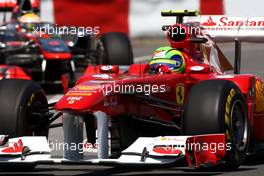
(234, 29)
(227, 29)
(175, 33)
(9, 5)
(222, 29)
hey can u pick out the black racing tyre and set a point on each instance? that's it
(117, 49)
(20, 100)
(123, 134)
(126, 129)
(218, 106)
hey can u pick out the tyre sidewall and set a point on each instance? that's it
(17, 99)
(117, 49)
(234, 157)
(26, 101)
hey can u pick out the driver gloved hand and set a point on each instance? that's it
(162, 69)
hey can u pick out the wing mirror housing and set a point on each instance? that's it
(198, 40)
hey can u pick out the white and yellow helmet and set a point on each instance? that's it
(29, 18)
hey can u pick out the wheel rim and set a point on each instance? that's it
(239, 125)
(35, 120)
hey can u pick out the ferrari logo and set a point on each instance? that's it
(179, 94)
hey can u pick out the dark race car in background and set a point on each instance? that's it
(46, 56)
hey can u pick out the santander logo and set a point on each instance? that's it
(209, 22)
(224, 21)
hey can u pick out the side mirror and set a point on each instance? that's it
(198, 40)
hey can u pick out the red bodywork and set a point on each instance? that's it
(56, 56)
(12, 72)
(11, 4)
(47, 55)
(209, 155)
(88, 95)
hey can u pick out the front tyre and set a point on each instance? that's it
(218, 106)
(117, 49)
(20, 101)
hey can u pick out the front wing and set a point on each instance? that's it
(200, 150)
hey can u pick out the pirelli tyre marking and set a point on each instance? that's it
(180, 94)
(259, 96)
(227, 111)
(31, 100)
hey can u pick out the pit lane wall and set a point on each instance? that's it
(138, 18)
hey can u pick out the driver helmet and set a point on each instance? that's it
(168, 56)
(29, 18)
(28, 21)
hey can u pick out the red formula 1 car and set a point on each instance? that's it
(204, 115)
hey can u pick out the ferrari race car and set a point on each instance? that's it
(46, 55)
(136, 117)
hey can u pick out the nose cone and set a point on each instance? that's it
(80, 98)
